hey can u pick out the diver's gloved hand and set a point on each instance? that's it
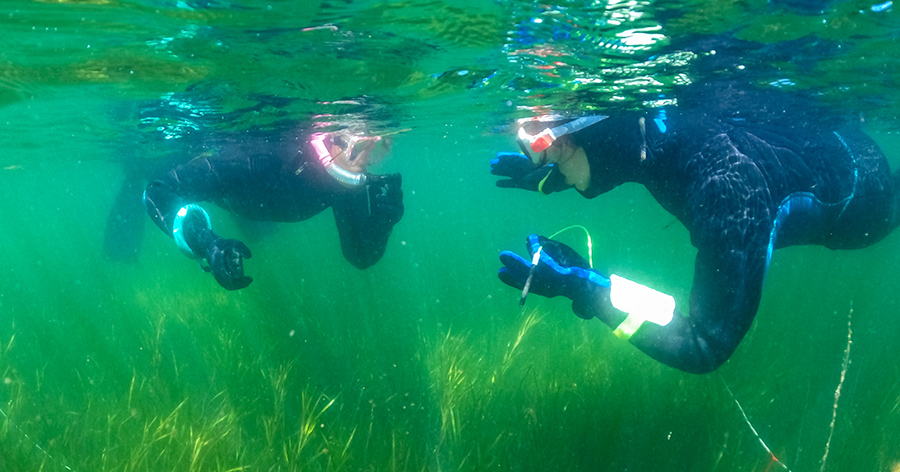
(386, 198)
(560, 272)
(524, 174)
(224, 256)
(226, 262)
(519, 170)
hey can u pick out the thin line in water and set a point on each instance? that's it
(765, 446)
(837, 391)
(35, 443)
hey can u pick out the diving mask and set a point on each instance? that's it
(535, 145)
(357, 151)
(373, 148)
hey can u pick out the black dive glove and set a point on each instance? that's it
(224, 256)
(524, 174)
(560, 271)
(385, 198)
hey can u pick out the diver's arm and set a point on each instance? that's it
(731, 225)
(366, 218)
(698, 343)
(730, 266)
(170, 203)
(192, 182)
(724, 300)
(725, 297)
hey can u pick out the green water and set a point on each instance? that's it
(423, 362)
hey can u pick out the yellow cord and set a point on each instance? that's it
(541, 183)
(590, 244)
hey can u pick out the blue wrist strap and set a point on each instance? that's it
(178, 228)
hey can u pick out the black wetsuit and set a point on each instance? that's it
(746, 172)
(278, 177)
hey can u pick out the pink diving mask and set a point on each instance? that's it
(356, 146)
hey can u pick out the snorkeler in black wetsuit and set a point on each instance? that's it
(746, 171)
(279, 177)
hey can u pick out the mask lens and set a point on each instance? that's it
(339, 141)
(374, 147)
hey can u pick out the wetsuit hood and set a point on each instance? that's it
(616, 149)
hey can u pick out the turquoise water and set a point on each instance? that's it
(425, 361)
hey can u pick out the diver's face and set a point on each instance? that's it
(560, 151)
(344, 160)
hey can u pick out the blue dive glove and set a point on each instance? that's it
(560, 272)
(225, 256)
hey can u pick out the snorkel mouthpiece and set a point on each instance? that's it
(343, 176)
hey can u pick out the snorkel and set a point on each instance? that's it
(344, 176)
(539, 143)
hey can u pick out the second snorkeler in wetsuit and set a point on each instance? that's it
(283, 177)
(745, 171)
